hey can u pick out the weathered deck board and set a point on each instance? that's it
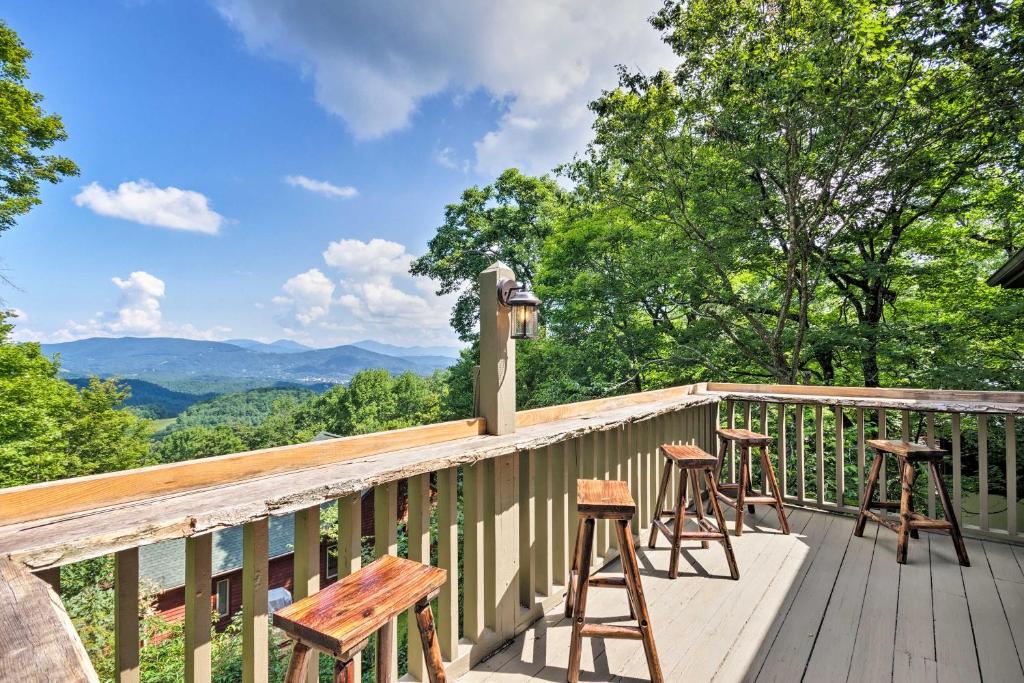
(816, 605)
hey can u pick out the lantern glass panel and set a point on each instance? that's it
(524, 322)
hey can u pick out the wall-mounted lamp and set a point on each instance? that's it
(524, 304)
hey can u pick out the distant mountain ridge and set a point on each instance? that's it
(163, 358)
(279, 346)
(408, 351)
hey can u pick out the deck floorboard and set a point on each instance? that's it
(817, 605)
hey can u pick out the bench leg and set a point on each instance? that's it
(716, 507)
(344, 672)
(741, 490)
(570, 595)
(906, 493)
(698, 504)
(680, 522)
(947, 508)
(298, 664)
(869, 491)
(431, 648)
(631, 570)
(773, 483)
(579, 609)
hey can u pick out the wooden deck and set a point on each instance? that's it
(819, 605)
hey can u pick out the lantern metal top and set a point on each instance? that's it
(512, 293)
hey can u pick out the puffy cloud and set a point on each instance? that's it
(372, 63)
(137, 314)
(375, 296)
(322, 187)
(143, 202)
(446, 157)
(309, 295)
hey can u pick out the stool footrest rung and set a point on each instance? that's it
(608, 581)
(611, 631)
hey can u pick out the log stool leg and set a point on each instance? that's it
(570, 595)
(298, 664)
(698, 504)
(680, 522)
(716, 507)
(750, 474)
(906, 493)
(344, 672)
(773, 482)
(659, 506)
(428, 637)
(631, 570)
(869, 491)
(580, 602)
(741, 491)
(947, 508)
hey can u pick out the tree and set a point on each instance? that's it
(507, 221)
(51, 430)
(26, 131)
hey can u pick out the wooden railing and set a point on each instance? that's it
(515, 493)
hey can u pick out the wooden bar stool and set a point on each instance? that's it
(606, 500)
(909, 455)
(692, 462)
(340, 619)
(745, 498)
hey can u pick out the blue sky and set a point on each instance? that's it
(267, 169)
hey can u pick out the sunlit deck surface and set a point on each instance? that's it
(819, 605)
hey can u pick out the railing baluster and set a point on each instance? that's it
(860, 454)
(633, 475)
(544, 539)
(764, 430)
(527, 520)
(819, 454)
(780, 411)
(350, 549)
(385, 542)
(198, 567)
(306, 567)
(883, 480)
(840, 457)
(418, 534)
(612, 450)
(1011, 476)
(930, 440)
(958, 498)
(653, 468)
(474, 490)
(126, 616)
(731, 424)
(255, 583)
(801, 447)
(502, 540)
(560, 548)
(983, 471)
(905, 425)
(448, 559)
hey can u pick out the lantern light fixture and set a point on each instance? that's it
(524, 306)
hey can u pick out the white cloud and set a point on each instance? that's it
(143, 202)
(309, 295)
(372, 63)
(375, 297)
(138, 314)
(322, 187)
(446, 157)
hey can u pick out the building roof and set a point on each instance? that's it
(162, 565)
(1011, 275)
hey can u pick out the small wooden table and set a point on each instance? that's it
(340, 619)
(909, 455)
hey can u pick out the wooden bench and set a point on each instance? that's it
(340, 619)
(692, 462)
(908, 456)
(743, 497)
(606, 500)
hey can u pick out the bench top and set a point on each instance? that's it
(339, 618)
(744, 436)
(686, 455)
(604, 499)
(907, 449)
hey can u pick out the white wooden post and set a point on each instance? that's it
(497, 354)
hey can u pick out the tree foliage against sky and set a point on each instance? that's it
(26, 132)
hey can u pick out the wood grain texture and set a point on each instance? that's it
(198, 568)
(745, 436)
(907, 449)
(126, 616)
(38, 642)
(604, 499)
(687, 455)
(342, 616)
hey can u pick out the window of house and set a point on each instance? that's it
(223, 597)
(332, 561)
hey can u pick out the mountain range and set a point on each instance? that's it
(161, 359)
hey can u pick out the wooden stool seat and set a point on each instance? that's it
(606, 500)
(909, 454)
(745, 436)
(743, 497)
(692, 462)
(686, 455)
(340, 619)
